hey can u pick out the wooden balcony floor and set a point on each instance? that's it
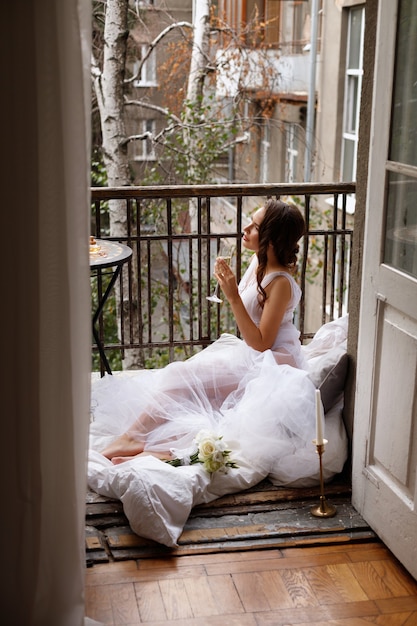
(252, 559)
(264, 516)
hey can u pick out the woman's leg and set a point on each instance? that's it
(133, 441)
(164, 456)
(126, 445)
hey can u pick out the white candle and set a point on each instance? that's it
(319, 420)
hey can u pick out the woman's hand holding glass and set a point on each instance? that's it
(222, 270)
(226, 278)
(215, 295)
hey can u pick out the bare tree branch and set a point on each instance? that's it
(154, 43)
(153, 107)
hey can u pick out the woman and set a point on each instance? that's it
(204, 391)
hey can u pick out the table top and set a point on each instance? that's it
(104, 253)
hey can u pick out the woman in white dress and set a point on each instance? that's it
(254, 389)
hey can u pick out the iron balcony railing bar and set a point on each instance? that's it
(223, 191)
(153, 286)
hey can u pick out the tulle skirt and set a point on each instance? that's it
(263, 409)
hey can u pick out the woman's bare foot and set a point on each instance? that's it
(116, 460)
(124, 446)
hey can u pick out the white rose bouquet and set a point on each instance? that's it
(211, 451)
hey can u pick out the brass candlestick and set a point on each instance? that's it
(324, 509)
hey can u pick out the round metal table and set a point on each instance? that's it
(106, 254)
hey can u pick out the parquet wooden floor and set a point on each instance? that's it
(352, 584)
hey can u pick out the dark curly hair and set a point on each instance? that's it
(282, 225)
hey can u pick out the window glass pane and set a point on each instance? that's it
(292, 132)
(352, 103)
(401, 223)
(355, 47)
(348, 160)
(301, 24)
(143, 149)
(272, 22)
(403, 147)
(353, 83)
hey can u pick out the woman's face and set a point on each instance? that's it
(251, 232)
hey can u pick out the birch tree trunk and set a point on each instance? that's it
(196, 77)
(195, 88)
(109, 87)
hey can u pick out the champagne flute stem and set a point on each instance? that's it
(215, 295)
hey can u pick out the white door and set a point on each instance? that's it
(385, 424)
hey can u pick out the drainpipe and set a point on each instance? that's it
(311, 103)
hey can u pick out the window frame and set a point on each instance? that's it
(352, 95)
(148, 69)
(147, 125)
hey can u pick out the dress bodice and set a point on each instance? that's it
(288, 335)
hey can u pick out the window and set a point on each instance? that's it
(301, 24)
(401, 198)
(295, 26)
(272, 13)
(353, 83)
(143, 149)
(232, 12)
(264, 153)
(147, 76)
(292, 132)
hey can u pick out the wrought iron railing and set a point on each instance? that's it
(158, 311)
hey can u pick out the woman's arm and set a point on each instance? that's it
(278, 296)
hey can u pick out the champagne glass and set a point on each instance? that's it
(226, 255)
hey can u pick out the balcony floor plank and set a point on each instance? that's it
(262, 517)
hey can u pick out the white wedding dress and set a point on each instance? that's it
(263, 407)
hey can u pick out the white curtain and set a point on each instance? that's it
(45, 113)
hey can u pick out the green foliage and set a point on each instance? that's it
(98, 170)
(190, 152)
(99, 179)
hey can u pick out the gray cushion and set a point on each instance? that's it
(328, 373)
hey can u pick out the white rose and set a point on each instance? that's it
(213, 466)
(207, 448)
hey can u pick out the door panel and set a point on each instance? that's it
(385, 422)
(391, 445)
(385, 442)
